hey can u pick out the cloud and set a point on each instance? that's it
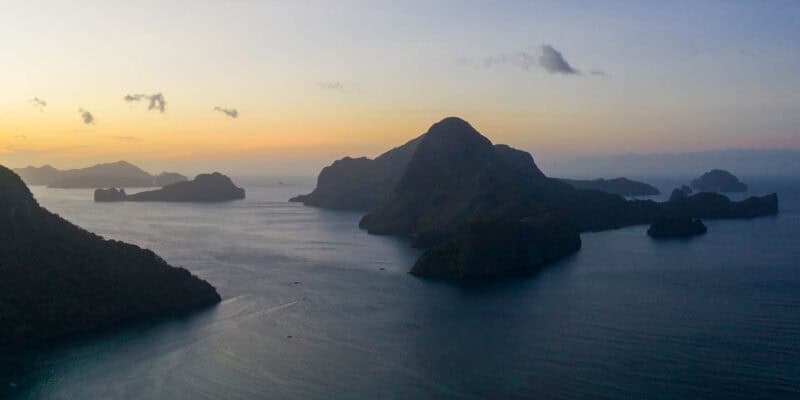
(521, 59)
(157, 101)
(553, 62)
(549, 59)
(127, 138)
(598, 72)
(39, 103)
(87, 117)
(231, 112)
(330, 85)
(21, 137)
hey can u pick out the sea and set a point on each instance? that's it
(315, 308)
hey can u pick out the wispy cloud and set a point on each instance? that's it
(231, 112)
(127, 138)
(20, 137)
(330, 85)
(157, 101)
(549, 59)
(39, 103)
(553, 62)
(86, 116)
(598, 72)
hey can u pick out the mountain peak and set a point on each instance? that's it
(15, 197)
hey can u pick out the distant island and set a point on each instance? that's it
(57, 279)
(718, 180)
(213, 187)
(484, 211)
(117, 174)
(620, 186)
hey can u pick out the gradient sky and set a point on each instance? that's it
(314, 81)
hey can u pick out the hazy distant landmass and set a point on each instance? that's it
(620, 186)
(746, 163)
(57, 279)
(718, 180)
(203, 188)
(116, 174)
(458, 190)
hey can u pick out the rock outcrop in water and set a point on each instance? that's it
(676, 227)
(620, 186)
(718, 180)
(116, 174)
(213, 187)
(459, 189)
(109, 195)
(57, 279)
(680, 194)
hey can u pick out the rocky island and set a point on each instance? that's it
(57, 279)
(676, 227)
(359, 183)
(500, 248)
(718, 180)
(620, 186)
(116, 174)
(203, 188)
(485, 210)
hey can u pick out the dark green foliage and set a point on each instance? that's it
(490, 248)
(669, 227)
(57, 279)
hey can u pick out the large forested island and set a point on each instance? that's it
(116, 174)
(57, 279)
(484, 210)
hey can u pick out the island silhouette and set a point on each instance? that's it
(57, 279)
(470, 203)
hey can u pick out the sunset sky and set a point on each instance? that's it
(314, 81)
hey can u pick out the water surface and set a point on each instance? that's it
(316, 308)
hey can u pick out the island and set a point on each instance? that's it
(116, 174)
(359, 183)
(497, 248)
(214, 187)
(57, 279)
(680, 194)
(676, 227)
(620, 186)
(718, 180)
(110, 194)
(458, 191)
(168, 178)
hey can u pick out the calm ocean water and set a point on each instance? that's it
(315, 308)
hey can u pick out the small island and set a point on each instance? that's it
(57, 279)
(204, 188)
(718, 180)
(676, 227)
(620, 186)
(110, 194)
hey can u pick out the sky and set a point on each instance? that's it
(290, 86)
